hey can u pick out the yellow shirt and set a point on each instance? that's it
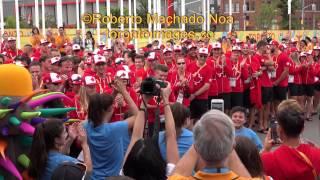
(35, 40)
(61, 40)
(208, 176)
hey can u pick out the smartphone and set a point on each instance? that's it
(217, 104)
(274, 133)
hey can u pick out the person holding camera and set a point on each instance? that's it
(155, 104)
(295, 158)
(201, 75)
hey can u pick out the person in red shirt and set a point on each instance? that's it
(88, 67)
(308, 80)
(139, 73)
(55, 65)
(102, 78)
(181, 81)
(192, 54)
(66, 67)
(223, 70)
(82, 99)
(168, 60)
(295, 158)
(152, 62)
(12, 50)
(262, 63)
(201, 75)
(316, 99)
(74, 82)
(177, 51)
(211, 61)
(295, 88)
(239, 75)
(121, 106)
(280, 81)
(45, 64)
(129, 59)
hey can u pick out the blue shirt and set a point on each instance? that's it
(184, 141)
(106, 147)
(54, 160)
(246, 132)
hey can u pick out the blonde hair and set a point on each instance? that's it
(84, 99)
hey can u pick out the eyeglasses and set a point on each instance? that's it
(181, 63)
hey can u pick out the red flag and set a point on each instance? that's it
(170, 8)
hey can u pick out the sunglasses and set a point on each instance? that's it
(202, 56)
(182, 63)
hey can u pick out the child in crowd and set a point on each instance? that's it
(238, 116)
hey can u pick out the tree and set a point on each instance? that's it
(283, 8)
(142, 11)
(266, 14)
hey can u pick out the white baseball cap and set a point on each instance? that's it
(122, 74)
(89, 80)
(203, 51)
(177, 48)
(316, 48)
(99, 59)
(119, 60)
(216, 45)
(11, 38)
(151, 56)
(101, 44)
(43, 41)
(54, 60)
(236, 48)
(76, 47)
(167, 50)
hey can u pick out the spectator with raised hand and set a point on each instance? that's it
(50, 141)
(213, 147)
(250, 157)
(181, 116)
(294, 159)
(105, 139)
(143, 159)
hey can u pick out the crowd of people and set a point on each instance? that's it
(145, 113)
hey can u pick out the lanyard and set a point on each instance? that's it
(215, 170)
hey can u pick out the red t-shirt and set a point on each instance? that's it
(287, 163)
(308, 73)
(213, 91)
(295, 71)
(282, 62)
(264, 78)
(200, 76)
(240, 73)
(174, 79)
(223, 73)
(141, 73)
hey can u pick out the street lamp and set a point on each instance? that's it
(302, 15)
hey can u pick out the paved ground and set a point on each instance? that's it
(311, 131)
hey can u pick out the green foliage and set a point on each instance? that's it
(266, 15)
(283, 9)
(10, 22)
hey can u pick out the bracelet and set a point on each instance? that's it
(142, 109)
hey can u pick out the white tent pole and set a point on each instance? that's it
(155, 27)
(83, 26)
(121, 13)
(130, 14)
(98, 23)
(149, 24)
(43, 19)
(17, 23)
(135, 23)
(230, 14)
(109, 24)
(159, 24)
(183, 13)
(1, 20)
(208, 16)
(204, 25)
(77, 14)
(36, 9)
